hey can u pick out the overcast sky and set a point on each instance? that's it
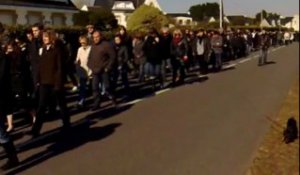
(233, 7)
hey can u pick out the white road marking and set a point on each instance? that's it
(134, 101)
(245, 60)
(162, 91)
(229, 66)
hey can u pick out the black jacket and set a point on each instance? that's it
(102, 56)
(50, 68)
(165, 46)
(5, 89)
(152, 50)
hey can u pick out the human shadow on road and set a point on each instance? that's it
(73, 139)
(269, 63)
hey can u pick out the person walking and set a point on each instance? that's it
(82, 69)
(202, 51)
(264, 46)
(5, 104)
(139, 56)
(179, 54)
(217, 47)
(50, 82)
(152, 50)
(101, 61)
(121, 67)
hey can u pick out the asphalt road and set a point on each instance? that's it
(206, 128)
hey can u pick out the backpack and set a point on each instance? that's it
(290, 133)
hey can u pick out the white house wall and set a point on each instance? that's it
(121, 18)
(22, 14)
(295, 23)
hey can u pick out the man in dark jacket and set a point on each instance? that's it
(264, 46)
(202, 51)
(5, 141)
(152, 50)
(101, 61)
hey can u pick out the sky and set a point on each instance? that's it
(237, 7)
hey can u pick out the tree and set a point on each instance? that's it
(146, 17)
(100, 17)
(203, 11)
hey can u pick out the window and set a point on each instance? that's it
(180, 22)
(34, 17)
(7, 17)
(188, 22)
(58, 20)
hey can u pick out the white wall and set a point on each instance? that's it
(121, 18)
(23, 17)
(295, 23)
(183, 20)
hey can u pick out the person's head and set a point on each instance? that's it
(37, 30)
(191, 34)
(1, 29)
(29, 35)
(83, 40)
(153, 32)
(123, 31)
(97, 37)
(49, 37)
(177, 34)
(10, 46)
(200, 33)
(90, 28)
(118, 40)
(165, 31)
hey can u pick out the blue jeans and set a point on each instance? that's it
(82, 88)
(104, 79)
(263, 56)
(154, 70)
(3, 136)
(218, 59)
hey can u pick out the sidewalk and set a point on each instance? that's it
(274, 157)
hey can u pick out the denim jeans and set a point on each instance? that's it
(263, 56)
(82, 88)
(3, 136)
(104, 79)
(218, 61)
(154, 70)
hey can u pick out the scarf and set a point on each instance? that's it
(176, 41)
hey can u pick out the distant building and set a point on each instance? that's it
(182, 19)
(286, 22)
(28, 12)
(121, 9)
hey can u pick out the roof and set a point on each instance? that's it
(57, 4)
(110, 3)
(179, 15)
(240, 20)
(286, 20)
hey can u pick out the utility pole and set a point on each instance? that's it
(261, 19)
(221, 14)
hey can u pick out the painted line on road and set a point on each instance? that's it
(229, 66)
(245, 60)
(162, 91)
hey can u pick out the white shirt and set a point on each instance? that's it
(82, 57)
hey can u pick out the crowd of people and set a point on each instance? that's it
(35, 68)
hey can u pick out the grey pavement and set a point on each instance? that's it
(208, 128)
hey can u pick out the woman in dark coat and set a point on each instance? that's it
(5, 141)
(122, 60)
(179, 53)
(50, 81)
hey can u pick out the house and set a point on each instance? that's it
(28, 12)
(182, 19)
(286, 22)
(122, 9)
(239, 20)
(291, 22)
